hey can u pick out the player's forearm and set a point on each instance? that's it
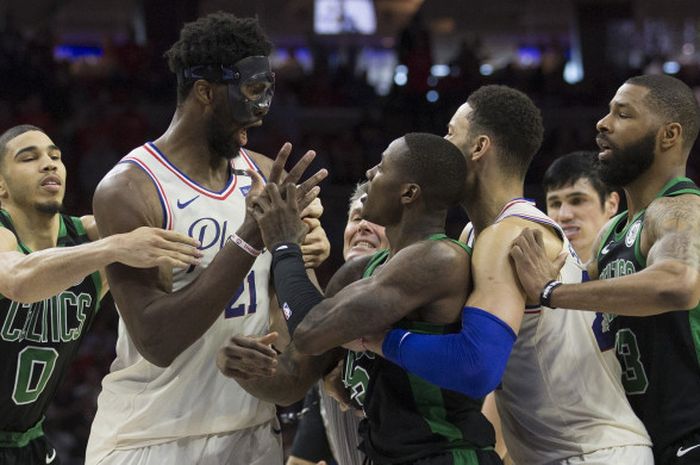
(295, 375)
(45, 273)
(660, 288)
(171, 322)
(354, 312)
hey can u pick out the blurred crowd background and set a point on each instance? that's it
(352, 75)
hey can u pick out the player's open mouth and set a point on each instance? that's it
(241, 134)
(571, 231)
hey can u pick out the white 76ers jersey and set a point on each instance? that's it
(561, 393)
(142, 404)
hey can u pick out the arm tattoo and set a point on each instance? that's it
(674, 223)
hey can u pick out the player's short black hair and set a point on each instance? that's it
(511, 120)
(437, 166)
(218, 38)
(674, 101)
(569, 168)
(10, 134)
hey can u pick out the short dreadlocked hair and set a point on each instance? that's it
(218, 38)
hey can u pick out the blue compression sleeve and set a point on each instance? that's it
(471, 361)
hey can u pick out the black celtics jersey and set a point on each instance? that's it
(39, 340)
(408, 418)
(659, 355)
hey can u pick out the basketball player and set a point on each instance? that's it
(647, 261)
(51, 285)
(408, 420)
(324, 428)
(164, 400)
(578, 201)
(560, 399)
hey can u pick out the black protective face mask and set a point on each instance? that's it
(251, 85)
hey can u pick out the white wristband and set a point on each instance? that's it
(235, 238)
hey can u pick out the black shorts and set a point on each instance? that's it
(684, 452)
(38, 452)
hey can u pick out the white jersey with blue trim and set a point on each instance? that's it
(561, 394)
(142, 404)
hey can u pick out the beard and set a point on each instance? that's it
(627, 164)
(220, 138)
(49, 208)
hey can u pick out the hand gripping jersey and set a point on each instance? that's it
(561, 394)
(660, 355)
(39, 340)
(142, 404)
(409, 418)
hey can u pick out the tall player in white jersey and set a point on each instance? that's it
(560, 399)
(164, 400)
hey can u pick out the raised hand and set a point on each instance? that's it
(248, 357)
(147, 247)
(316, 248)
(278, 216)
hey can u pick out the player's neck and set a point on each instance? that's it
(489, 198)
(641, 192)
(184, 143)
(36, 230)
(412, 229)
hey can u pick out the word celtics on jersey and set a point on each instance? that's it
(38, 340)
(659, 355)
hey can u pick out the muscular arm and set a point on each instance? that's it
(473, 360)
(45, 273)
(284, 378)
(161, 323)
(421, 274)
(671, 280)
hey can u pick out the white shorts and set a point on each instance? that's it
(259, 445)
(623, 455)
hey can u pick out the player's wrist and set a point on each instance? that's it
(548, 292)
(250, 233)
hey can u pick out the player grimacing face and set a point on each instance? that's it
(360, 236)
(33, 174)
(626, 137)
(577, 209)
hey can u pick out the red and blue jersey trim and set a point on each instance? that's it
(163, 160)
(164, 204)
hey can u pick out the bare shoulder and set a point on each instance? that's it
(125, 199)
(497, 238)
(351, 271)
(90, 226)
(8, 241)
(428, 258)
(680, 212)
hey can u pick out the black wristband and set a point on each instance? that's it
(546, 294)
(296, 294)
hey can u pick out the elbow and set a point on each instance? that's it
(154, 347)
(682, 291)
(154, 354)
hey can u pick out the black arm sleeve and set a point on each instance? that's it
(295, 292)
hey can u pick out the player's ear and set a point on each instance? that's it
(479, 146)
(3, 186)
(410, 192)
(203, 92)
